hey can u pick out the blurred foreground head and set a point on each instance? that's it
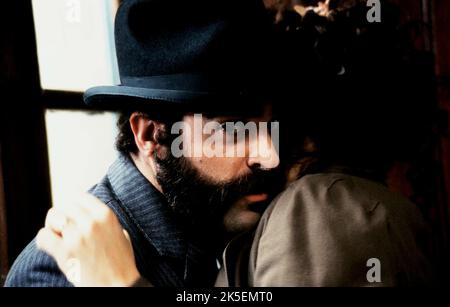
(363, 92)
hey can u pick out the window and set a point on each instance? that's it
(75, 45)
(81, 148)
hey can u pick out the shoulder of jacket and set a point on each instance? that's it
(35, 268)
(325, 191)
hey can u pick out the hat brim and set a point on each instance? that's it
(125, 97)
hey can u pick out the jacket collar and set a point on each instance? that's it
(147, 208)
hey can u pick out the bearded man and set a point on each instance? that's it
(200, 57)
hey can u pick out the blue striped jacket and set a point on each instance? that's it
(164, 255)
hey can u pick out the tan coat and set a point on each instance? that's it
(322, 231)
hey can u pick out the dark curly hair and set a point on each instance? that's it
(364, 90)
(125, 139)
(125, 142)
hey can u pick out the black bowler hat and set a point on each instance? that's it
(186, 52)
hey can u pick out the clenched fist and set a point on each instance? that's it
(89, 245)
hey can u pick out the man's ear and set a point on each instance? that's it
(145, 133)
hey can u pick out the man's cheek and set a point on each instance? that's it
(217, 170)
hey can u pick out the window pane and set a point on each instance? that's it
(81, 148)
(75, 43)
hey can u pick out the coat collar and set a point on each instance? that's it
(147, 208)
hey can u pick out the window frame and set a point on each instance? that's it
(26, 103)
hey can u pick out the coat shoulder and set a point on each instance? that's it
(323, 228)
(350, 194)
(35, 268)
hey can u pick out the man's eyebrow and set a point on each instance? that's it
(233, 114)
(224, 119)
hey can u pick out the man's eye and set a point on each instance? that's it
(231, 132)
(228, 129)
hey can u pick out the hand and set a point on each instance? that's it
(89, 245)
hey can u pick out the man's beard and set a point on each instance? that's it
(200, 202)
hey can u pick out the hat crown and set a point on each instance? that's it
(160, 37)
(202, 52)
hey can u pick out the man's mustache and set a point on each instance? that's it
(256, 182)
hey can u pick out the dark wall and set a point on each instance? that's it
(22, 128)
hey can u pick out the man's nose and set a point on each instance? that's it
(263, 154)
